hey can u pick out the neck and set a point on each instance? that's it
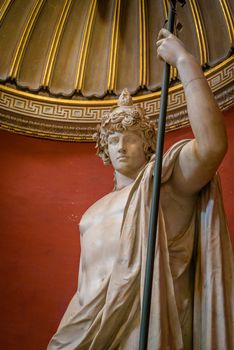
(122, 180)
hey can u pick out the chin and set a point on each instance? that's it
(131, 173)
(123, 171)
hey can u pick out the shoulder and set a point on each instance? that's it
(95, 207)
(170, 158)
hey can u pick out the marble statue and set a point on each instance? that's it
(192, 293)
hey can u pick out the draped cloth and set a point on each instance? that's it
(108, 319)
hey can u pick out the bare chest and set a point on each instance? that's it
(100, 231)
(100, 228)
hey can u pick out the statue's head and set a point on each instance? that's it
(125, 117)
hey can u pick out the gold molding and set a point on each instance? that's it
(24, 38)
(84, 46)
(114, 47)
(165, 6)
(143, 42)
(4, 8)
(199, 30)
(228, 19)
(55, 43)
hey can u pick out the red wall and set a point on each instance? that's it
(45, 187)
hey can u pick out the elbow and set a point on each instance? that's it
(222, 141)
(212, 153)
(218, 152)
(222, 148)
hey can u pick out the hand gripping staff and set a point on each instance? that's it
(145, 314)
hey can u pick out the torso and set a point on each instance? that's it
(100, 231)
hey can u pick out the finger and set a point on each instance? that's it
(160, 53)
(160, 57)
(164, 33)
(159, 42)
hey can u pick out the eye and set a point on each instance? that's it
(133, 139)
(112, 140)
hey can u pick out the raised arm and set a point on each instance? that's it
(200, 158)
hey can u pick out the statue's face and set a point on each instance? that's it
(126, 152)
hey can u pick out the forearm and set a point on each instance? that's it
(200, 158)
(205, 117)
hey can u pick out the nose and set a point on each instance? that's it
(121, 148)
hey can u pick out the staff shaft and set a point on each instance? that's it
(145, 314)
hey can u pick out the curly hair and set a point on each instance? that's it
(121, 119)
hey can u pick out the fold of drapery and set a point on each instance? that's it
(214, 278)
(107, 320)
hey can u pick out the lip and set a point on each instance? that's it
(122, 157)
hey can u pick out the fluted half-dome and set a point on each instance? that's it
(55, 54)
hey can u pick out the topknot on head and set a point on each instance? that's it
(125, 99)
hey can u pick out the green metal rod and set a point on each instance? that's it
(145, 314)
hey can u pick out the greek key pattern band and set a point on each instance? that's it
(76, 121)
